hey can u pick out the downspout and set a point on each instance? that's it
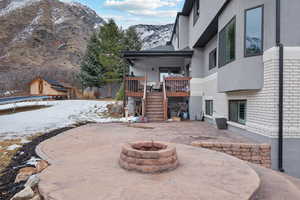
(280, 104)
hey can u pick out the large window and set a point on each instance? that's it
(209, 107)
(227, 43)
(254, 31)
(196, 11)
(237, 111)
(212, 59)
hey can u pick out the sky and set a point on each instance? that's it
(132, 12)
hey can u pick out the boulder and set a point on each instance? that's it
(32, 182)
(36, 197)
(41, 165)
(25, 194)
(115, 108)
(25, 173)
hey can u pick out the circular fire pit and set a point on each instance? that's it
(148, 157)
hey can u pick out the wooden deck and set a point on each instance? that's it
(174, 86)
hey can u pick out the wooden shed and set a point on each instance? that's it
(42, 86)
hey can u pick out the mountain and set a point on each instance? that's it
(42, 37)
(48, 38)
(154, 35)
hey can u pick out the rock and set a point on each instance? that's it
(115, 108)
(32, 181)
(36, 197)
(25, 173)
(25, 194)
(41, 165)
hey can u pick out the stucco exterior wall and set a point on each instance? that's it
(208, 10)
(248, 71)
(290, 26)
(183, 22)
(150, 66)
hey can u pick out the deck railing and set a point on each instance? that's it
(165, 102)
(177, 86)
(135, 86)
(144, 100)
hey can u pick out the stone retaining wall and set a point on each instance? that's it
(254, 153)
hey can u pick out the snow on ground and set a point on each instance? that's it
(17, 4)
(60, 114)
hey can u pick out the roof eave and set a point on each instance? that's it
(134, 54)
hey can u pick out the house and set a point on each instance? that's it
(233, 59)
(47, 87)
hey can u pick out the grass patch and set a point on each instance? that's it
(7, 155)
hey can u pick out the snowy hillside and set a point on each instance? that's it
(154, 35)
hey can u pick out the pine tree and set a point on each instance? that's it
(132, 40)
(91, 70)
(111, 44)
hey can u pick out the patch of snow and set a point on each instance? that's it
(33, 161)
(28, 30)
(13, 147)
(25, 104)
(24, 141)
(16, 5)
(60, 114)
(154, 35)
(8, 92)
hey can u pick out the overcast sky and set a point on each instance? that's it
(131, 12)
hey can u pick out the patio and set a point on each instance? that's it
(84, 165)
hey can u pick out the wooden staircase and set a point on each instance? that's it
(155, 106)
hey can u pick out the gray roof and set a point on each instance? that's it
(162, 48)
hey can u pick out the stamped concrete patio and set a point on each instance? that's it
(84, 165)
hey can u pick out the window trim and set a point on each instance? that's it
(231, 20)
(262, 31)
(212, 107)
(196, 14)
(237, 100)
(210, 67)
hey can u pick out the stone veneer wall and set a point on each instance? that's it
(255, 153)
(262, 105)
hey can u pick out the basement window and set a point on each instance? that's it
(209, 107)
(237, 111)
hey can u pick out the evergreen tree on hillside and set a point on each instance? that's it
(91, 69)
(103, 63)
(111, 44)
(132, 41)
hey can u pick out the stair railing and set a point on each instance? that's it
(144, 100)
(165, 102)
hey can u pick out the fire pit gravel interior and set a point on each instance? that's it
(148, 157)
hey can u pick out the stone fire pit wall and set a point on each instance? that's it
(255, 153)
(162, 158)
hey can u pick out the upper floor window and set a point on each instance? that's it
(227, 43)
(196, 11)
(254, 31)
(212, 59)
